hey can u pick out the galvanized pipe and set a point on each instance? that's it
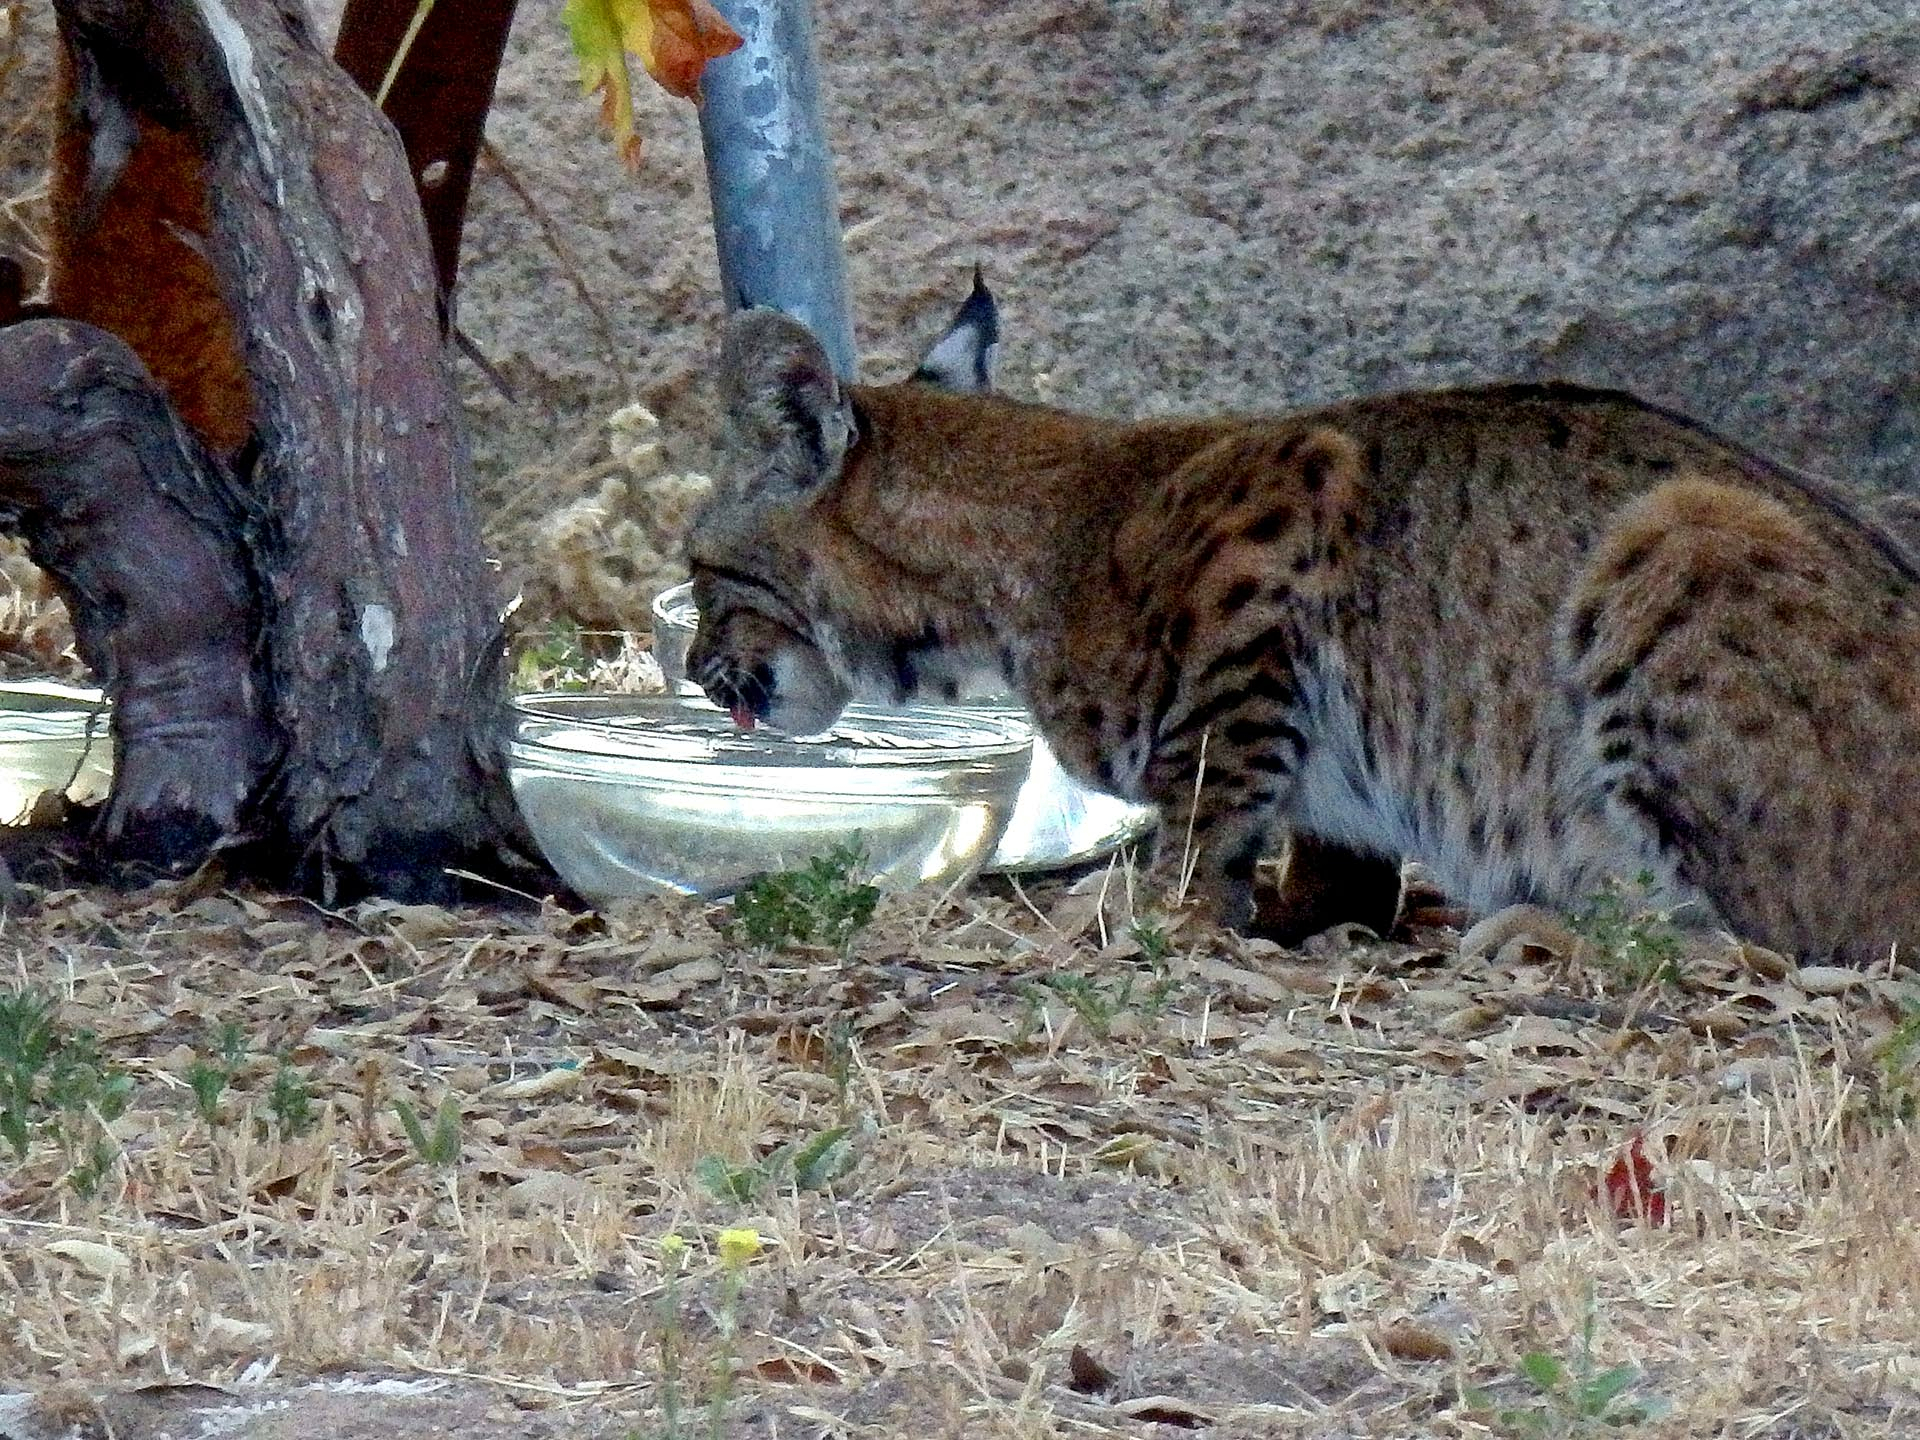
(776, 216)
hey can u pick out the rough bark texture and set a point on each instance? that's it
(111, 492)
(379, 645)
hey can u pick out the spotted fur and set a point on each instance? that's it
(1539, 637)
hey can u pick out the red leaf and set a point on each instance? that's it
(1630, 1188)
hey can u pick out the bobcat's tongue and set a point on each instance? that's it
(743, 717)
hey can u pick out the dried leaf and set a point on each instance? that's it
(557, 1081)
(1768, 964)
(672, 985)
(1630, 1187)
(1088, 1375)
(101, 1261)
(1828, 979)
(1406, 1340)
(1528, 924)
(544, 1190)
(238, 1336)
(1166, 1410)
(574, 994)
(1280, 1047)
(1536, 1032)
(674, 39)
(786, 1370)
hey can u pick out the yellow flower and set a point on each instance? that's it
(738, 1246)
(673, 1248)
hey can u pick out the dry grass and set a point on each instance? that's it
(26, 41)
(1285, 1195)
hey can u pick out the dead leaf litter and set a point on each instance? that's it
(1013, 1166)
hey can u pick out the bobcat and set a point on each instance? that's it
(1538, 636)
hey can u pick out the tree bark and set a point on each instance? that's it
(356, 651)
(114, 494)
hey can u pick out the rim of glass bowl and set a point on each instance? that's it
(676, 739)
(674, 606)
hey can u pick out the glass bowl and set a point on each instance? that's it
(52, 737)
(1057, 822)
(674, 620)
(631, 794)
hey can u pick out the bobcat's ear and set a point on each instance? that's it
(962, 359)
(788, 416)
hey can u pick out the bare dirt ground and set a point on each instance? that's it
(1046, 1173)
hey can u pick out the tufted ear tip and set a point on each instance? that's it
(962, 359)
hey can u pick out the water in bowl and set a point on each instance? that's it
(52, 737)
(634, 794)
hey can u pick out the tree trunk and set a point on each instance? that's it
(142, 531)
(347, 662)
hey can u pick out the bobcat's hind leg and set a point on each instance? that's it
(1751, 716)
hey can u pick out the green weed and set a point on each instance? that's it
(1099, 1003)
(1571, 1399)
(1630, 935)
(1894, 1096)
(552, 657)
(812, 1165)
(737, 1248)
(209, 1079)
(824, 902)
(93, 1164)
(1155, 942)
(55, 1086)
(441, 1148)
(290, 1101)
(840, 1061)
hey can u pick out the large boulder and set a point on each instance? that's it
(1262, 204)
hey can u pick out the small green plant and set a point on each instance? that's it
(1156, 944)
(813, 1165)
(737, 1249)
(290, 1101)
(673, 1262)
(441, 1148)
(840, 1061)
(551, 658)
(1099, 1003)
(92, 1166)
(1895, 1097)
(208, 1079)
(53, 1084)
(27, 1046)
(1571, 1399)
(824, 902)
(1630, 934)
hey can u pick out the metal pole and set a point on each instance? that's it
(776, 217)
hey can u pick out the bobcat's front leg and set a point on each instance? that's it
(1324, 885)
(1220, 788)
(1221, 799)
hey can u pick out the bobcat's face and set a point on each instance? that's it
(759, 668)
(768, 648)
